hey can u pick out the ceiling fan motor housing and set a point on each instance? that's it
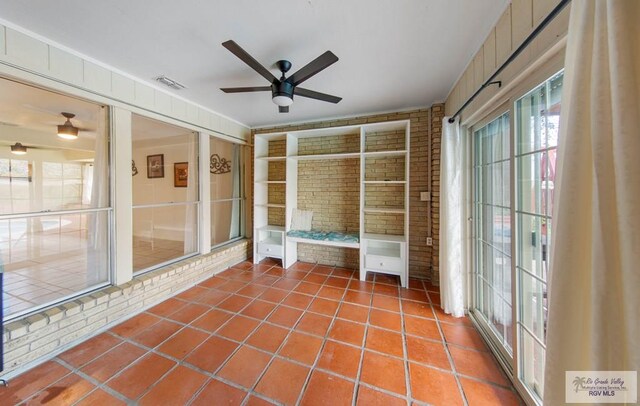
(282, 88)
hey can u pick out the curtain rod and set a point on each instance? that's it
(513, 56)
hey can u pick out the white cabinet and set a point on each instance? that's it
(270, 242)
(384, 254)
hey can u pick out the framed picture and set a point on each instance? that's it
(180, 174)
(155, 166)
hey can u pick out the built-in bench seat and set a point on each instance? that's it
(329, 238)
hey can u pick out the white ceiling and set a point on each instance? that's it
(394, 54)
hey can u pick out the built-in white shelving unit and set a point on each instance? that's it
(384, 251)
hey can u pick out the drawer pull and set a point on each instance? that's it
(381, 264)
(268, 249)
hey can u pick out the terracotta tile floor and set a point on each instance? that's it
(259, 334)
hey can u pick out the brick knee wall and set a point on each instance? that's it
(43, 335)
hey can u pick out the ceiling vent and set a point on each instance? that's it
(169, 82)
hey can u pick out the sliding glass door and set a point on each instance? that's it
(519, 155)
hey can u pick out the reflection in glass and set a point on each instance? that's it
(162, 234)
(47, 258)
(165, 204)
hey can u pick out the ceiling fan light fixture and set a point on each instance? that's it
(18, 149)
(67, 131)
(282, 101)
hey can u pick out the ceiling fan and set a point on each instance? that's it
(67, 130)
(283, 89)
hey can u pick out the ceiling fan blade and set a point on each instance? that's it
(283, 109)
(249, 60)
(246, 89)
(313, 67)
(298, 91)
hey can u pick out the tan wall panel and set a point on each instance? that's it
(541, 9)
(489, 54)
(478, 70)
(503, 37)
(521, 21)
(471, 86)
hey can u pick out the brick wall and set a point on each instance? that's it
(426, 125)
(45, 334)
(437, 114)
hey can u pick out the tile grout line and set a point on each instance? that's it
(356, 390)
(450, 357)
(405, 350)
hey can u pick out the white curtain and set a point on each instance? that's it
(98, 221)
(191, 210)
(594, 321)
(235, 209)
(452, 275)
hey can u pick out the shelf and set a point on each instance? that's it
(385, 182)
(385, 126)
(269, 205)
(382, 154)
(346, 155)
(383, 210)
(272, 241)
(271, 228)
(384, 252)
(275, 182)
(384, 237)
(271, 158)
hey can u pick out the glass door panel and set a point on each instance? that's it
(537, 118)
(492, 233)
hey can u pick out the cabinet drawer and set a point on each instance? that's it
(270, 250)
(384, 264)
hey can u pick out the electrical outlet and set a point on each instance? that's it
(429, 241)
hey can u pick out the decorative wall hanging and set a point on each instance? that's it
(219, 165)
(180, 174)
(134, 169)
(155, 166)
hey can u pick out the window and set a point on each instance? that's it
(227, 199)
(55, 206)
(165, 193)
